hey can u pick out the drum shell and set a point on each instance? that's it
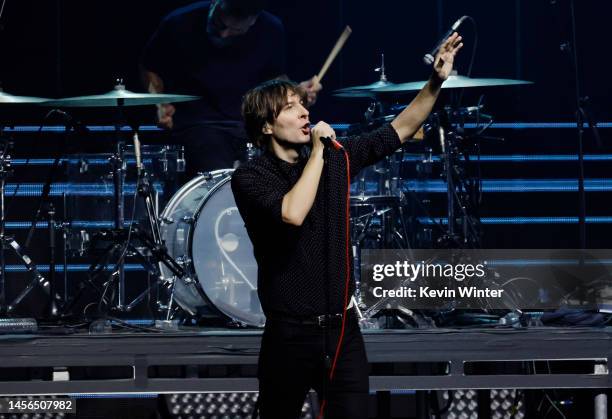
(203, 230)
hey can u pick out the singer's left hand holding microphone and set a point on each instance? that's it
(320, 130)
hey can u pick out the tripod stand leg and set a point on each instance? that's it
(37, 280)
(152, 270)
(402, 221)
(2, 274)
(171, 301)
(31, 267)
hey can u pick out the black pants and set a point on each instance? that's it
(211, 146)
(292, 361)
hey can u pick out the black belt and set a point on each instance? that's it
(322, 321)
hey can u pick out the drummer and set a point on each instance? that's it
(218, 50)
(295, 214)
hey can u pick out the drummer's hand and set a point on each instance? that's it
(321, 129)
(312, 88)
(443, 64)
(165, 111)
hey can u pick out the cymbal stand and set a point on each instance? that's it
(118, 169)
(154, 243)
(464, 234)
(117, 161)
(117, 275)
(376, 106)
(7, 242)
(123, 241)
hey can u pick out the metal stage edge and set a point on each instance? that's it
(230, 359)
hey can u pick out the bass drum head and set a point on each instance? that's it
(211, 233)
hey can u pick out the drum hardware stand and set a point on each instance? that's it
(117, 161)
(7, 242)
(122, 241)
(65, 227)
(376, 106)
(386, 237)
(157, 251)
(118, 165)
(53, 309)
(450, 142)
(381, 69)
(45, 205)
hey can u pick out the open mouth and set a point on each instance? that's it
(306, 129)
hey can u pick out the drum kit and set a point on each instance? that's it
(198, 249)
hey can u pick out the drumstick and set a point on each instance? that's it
(334, 52)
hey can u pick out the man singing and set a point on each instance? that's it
(293, 202)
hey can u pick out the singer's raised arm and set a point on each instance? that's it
(410, 120)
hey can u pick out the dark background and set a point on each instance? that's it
(61, 48)
(58, 48)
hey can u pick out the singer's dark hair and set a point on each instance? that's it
(243, 8)
(263, 104)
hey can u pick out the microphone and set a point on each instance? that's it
(442, 138)
(70, 122)
(137, 152)
(429, 59)
(330, 142)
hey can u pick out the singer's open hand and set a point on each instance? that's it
(443, 64)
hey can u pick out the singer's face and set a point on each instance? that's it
(292, 124)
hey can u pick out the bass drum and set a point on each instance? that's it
(204, 232)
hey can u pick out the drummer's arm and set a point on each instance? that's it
(155, 84)
(312, 87)
(153, 81)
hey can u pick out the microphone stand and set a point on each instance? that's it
(582, 115)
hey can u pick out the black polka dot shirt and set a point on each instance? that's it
(301, 270)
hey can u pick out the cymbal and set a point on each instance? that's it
(362, 91)
(453, 82)
(7, 98)
(119, 97)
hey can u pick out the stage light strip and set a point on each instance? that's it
(520, 158)
(338, 126)
(409, 185)
(524, 220)
(539, 125)
(512, 185)
(407, 157)
(20, 225)
(75, 189)
(92, 128)
(90, 162)
(496, 186)
(71, 268)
